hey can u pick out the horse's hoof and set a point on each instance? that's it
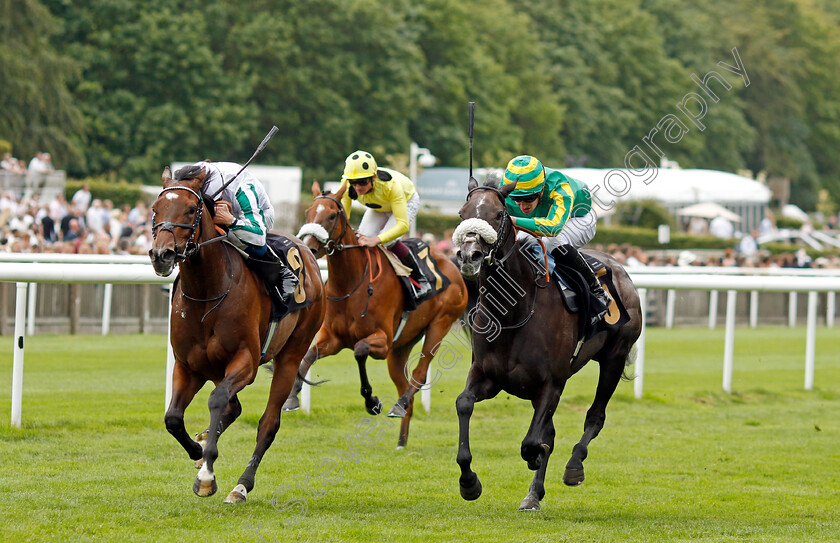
(237, 495)
(573, 477)
(373, 407)
(471, 491)
(201, 439)
(292, 404)
(204, 489)
(530, 503)
(397, 412)
(198, 463)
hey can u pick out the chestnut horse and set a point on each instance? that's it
(366, 305)
(531, 358)
(219, 320)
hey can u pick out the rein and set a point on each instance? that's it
(503, 234)
(192, 247)
(330, 247)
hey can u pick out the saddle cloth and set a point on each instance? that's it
(429, 267)
(289, 255)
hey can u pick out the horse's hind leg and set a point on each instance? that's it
(610, 374)
(397, 360)
(185, 385)
(478, 388)
(325, 345)
(539, 443)
(285, 371)
(377, 345)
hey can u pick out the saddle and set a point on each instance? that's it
(576, 295)
(273, 269)
(429, 268)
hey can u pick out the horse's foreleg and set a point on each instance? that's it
(478, 388)
(241, 371)
(537, 490)
(285, 370)
(610, 374)
(377, 345)
(185, 385)
(229, 415)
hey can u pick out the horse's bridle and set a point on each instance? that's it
(504, 229)
(191, 247)
(331, 246)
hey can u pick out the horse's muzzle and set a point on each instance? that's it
(469, 257)
(163, 260)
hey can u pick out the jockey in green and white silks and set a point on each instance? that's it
(244, 209)
(557, 208)
(248, 201)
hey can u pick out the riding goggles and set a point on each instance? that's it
(528, 198)
(359, 182)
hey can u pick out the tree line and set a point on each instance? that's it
(119, 88)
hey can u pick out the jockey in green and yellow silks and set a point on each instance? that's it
(392, 204)
(557, 208)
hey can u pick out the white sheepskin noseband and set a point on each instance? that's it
(315, 230)
(472, 227)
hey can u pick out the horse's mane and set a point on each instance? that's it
(192, 172)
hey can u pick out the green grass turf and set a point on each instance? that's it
(93, 461)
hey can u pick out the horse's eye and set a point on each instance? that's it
(332, 216)
(193, 209)
(499, 215)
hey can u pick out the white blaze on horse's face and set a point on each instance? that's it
(171, 195)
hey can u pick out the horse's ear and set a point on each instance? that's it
(316, 188)
(167, 177)
(340, 192)
(472, 184)
(507, 189)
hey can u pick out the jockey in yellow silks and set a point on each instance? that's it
(392, 204)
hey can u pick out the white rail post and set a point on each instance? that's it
(30, 312)
(729, 341)
(306, 394)
(792, 306)
(810, 340)
(669, 308)
(639, 378)
(426, 392)
(713, 309)
(829, 309)
(106, 308)
(753, 308)
(17, 367)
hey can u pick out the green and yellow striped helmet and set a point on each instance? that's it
(528, 174)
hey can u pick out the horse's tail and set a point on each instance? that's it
(627, 374)
(269, 367)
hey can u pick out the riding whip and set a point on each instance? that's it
(471, 123)
(260, 147)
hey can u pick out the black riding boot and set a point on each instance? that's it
(280, 280)
(417, 279)
(574, 259)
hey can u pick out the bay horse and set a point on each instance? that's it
(531, 358)
(366, 305)
(219, 320)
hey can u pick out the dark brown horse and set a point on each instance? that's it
(365, 306)
(524, 340)
(220, 318)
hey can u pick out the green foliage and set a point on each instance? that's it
(5, 147)
(647, 238)
(118, 192)
(788, 222)
(643, 213)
